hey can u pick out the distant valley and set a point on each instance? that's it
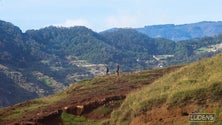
(41, 62)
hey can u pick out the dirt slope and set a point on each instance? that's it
(83, 99)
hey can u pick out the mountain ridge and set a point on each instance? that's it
(183, 31)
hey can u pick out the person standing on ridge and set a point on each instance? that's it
(117, 69)
(107, 70)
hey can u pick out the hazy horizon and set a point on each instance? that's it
(100, 15)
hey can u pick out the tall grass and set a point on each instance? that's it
(195, 81)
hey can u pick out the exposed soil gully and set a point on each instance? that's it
(54, 117)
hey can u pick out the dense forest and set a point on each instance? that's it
(40, 62)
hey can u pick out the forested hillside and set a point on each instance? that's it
(41, 62)
(28, 70)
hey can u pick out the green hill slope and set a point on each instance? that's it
(197, 86)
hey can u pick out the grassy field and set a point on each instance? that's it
(200, 80)
(210, 48)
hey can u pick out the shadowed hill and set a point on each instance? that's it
(28, 71)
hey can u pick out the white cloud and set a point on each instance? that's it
(121, 21)
(70, 23)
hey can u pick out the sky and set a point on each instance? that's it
(100, 15)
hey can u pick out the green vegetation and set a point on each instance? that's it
(21, 111)
(200, 80)
(47, 81)
(204, 49)
(31, 105)
(69, 119)
(103, 110)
